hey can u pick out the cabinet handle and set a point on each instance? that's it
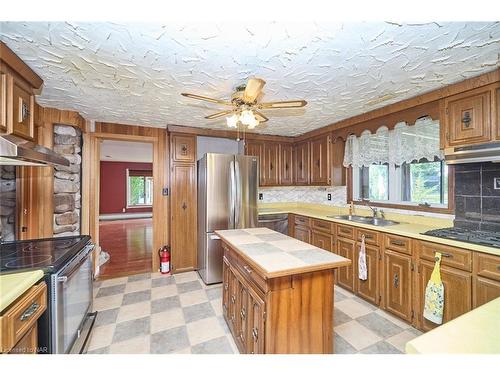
(445, 255)
(368, 236)
(345, 231)
(29, 311)
(271, 166)
(226, 286)
(467, 119)
(25, 111)
(397, 243)
(233, 299)
(248, 269)
(242, 313)
(184, 206)
(255, 334)
(395, 281)
(286, 167)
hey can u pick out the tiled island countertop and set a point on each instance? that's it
(274, 254)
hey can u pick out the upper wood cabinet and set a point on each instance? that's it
(271, 164)
(3, 102)
(468, 117)
(183, 148)
(338, 171)
(286, 165)
(302, 157)
(320, 161)
(254, 148)
(497, 110)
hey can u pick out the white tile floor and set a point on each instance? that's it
(154, 313)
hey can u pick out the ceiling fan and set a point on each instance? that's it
(245, 104)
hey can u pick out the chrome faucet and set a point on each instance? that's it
(374, 210)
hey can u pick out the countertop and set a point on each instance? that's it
(410, 225)
(476, 332)
(274, 254)
(13, 285)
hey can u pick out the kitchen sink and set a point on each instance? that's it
(365, 220)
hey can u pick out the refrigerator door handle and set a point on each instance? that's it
(238, 192)
(232, 195)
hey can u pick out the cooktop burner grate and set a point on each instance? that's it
(483, 238)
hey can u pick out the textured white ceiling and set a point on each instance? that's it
(134, 73)
(122, 151)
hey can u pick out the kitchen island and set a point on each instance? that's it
(278, 292)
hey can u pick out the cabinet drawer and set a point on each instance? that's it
(398, 243)
(345, 231)
(322, 225)
(371, 237)
(19, 318)
(302, 220)
(487, 266)
(244, 268)
(451, 256)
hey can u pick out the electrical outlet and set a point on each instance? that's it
(496, 183)
(329, 196)
(261, 196)
(164, 191)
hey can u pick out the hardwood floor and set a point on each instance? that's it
(129, 243)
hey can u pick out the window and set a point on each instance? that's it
(139, 188)
(425, 182)
(374, 182)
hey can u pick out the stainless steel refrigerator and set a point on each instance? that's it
(227, 199)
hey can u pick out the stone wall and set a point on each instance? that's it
(67, 181)
(7, 202)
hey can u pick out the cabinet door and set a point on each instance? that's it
(302, 163)
(3, 102)
(485, 290)
(302, 234)
(257, 149)
(183, 217)
(225, 289)
(256, 323)
(321, 240)
(457, 292)
(369, 288)
(22, 117)
(271, 164)
(233, 292)
(286, 165)
(345, 248)
(242, 311)
(28, 343)
(320, 161)
(339, 172)
(183, 148)
(497, 110)
(398, 284)
(469, 119)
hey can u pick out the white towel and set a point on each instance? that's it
(362, 270)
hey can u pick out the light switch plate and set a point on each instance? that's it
(496, 183)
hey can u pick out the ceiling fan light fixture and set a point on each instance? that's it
(232, 121)
(247, 117)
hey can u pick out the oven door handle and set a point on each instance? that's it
(64, 279)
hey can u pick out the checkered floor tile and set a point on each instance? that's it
(154, 313)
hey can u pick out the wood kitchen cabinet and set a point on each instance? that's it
(346, 249)
(3, 102)
(302, 162)
(286, 164)
(398, 284)
(256, 319)
(254, 148)
(320, 161)
(468, 118)
(183, 203)
(338, 171)
(271, 164)
(302, 233)
(18, 323)
(369, 289)
(497, 110)
(322, 240)
(486, 279)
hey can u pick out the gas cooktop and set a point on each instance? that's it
(48, 254)
(483, 238)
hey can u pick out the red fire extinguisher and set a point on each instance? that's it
(164, 254)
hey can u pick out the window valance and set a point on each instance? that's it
(404, 143)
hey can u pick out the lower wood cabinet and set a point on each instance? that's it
(457, 292)
(256, 319)
(486, 279)
(485, 290)
(398, 284)
(321, 240)
(302, 233)
(345, 248)
(369, 289)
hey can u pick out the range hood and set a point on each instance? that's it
(473, 154)
(18, 151)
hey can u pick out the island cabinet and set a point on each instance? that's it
(273, 308)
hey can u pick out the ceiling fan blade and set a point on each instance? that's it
(259, 116)
(253, 89)
(283, 104)
(206, 99)
(218, 114)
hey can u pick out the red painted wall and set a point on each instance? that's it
(113, 186)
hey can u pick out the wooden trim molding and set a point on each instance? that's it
(8, 57)
(58, 116)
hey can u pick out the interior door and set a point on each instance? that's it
(246, 174)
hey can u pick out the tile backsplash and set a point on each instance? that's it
(305, 194)
(477, 196)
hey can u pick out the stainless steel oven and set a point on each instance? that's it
(71, 300)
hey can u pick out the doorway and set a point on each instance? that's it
(125, 207)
